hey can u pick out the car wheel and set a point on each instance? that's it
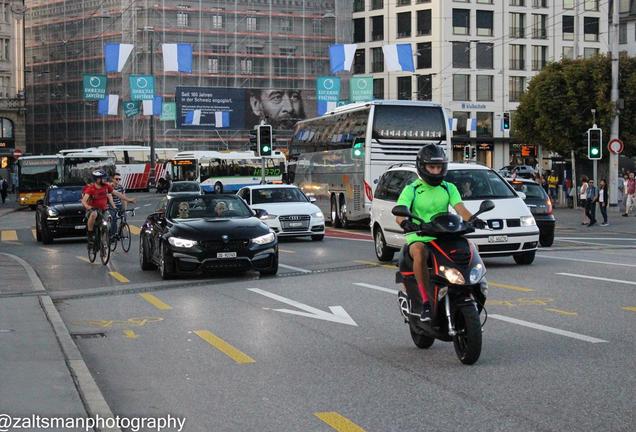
(335, 218)
(343, 213)
(38, 234)
(165, 270)
(382, 251)
(218, 187)
(272, 270)
(144, 262)
(525, 258)
(547, 239)
(45, 234)
(318, 237)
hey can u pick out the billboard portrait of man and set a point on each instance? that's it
(279, 108)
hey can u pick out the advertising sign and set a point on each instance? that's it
(361, 89)
(94, 86)
(142, 87)
(131, 108)
(327, 93)
(168, 111)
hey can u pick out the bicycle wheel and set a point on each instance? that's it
(113, 243)
(104, 247)
(124, 236)
(92, 251)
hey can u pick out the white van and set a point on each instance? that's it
(513, 230)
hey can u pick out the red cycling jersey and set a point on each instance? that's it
(98, 195)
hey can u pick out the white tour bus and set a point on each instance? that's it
(339, 157)
(226, 171)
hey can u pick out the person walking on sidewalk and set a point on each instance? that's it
(603, 199)
(622, 195)
(553, 183)
(591, 203)
(4, 189)
(630, 191)
(583, 199)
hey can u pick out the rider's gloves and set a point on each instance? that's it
(479, 223)
(409, 226)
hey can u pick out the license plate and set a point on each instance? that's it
(295, 224)
(226, 255)
(80, 227)
(497, 239)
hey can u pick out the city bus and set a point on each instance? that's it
(77, 168)
(339, 157)
(226, 171)
(35, 175)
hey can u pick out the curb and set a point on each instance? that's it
(89, 392)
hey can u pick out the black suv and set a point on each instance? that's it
(60, 214)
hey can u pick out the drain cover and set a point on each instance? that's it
(88, 335)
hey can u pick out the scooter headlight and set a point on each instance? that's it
(452, 275)
(476, 273)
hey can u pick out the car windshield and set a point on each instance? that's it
(479, 184)
(277, 195)
(532, 190)
(65, 195)
(208, 207)
(184, 187)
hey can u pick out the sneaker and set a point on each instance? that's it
(604, 224)
(426, 312)
(625, 215)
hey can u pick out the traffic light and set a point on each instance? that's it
(357, 150)
(594, 146)
(254, 140)
(506, 121)
(466, 152)
(473, 153)
(264, 139)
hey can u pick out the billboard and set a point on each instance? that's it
(240, 108)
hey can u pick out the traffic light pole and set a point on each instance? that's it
(613, 157)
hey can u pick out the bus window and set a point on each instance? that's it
(126, 158)
(205, 171)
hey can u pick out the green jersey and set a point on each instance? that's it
(425, 201)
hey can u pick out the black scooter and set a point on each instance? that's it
(458, 287)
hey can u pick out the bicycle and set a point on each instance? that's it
(101, 233)
(123, 232)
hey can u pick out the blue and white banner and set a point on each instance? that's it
(153, 107)
(177, 57)
(471, 124)
(116, 56)
(398, 58)
(326, 106)
(452, 124)
(221, 119)
(108, 105)
(193, 118)
(341, 57)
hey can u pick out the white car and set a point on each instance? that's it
(289, 212)
(513, 230)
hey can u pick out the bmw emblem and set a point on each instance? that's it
(225, 238)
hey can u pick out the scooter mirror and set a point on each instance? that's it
(401, 210)
(486, 206)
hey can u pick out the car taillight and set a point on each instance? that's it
(548, 206)
(368, 191)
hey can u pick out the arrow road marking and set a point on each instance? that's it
(337, 314)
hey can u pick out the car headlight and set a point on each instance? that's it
(452, 275)
(53, 213)
(476, 273)
(268, 216)
(181, 243)
(264, 239)
(318, 215)
(22, 198)
(527, 221)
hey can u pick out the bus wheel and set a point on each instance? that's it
(343, 213)
(335, 220)
(218, 187)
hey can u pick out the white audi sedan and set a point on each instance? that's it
(290, 213)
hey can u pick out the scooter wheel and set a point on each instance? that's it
(420, 340)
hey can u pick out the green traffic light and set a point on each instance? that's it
(357, 152)
(265, 149)
(594, 151)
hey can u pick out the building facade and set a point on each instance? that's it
(627, 27)
(476, 57)
(249, 44)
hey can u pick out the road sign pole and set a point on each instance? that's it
(613, 157)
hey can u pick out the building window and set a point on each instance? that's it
(213, 65)
(485, 56)
(461, 87)
(251, 23)
(317, 26)
(403, 2)
(622, 33)
(517, 57)
(518, 3)
(378, 88)
(424, 22)
(404, 86)
(568, 4)
(6, 128)
(484, 1)
(286, 25)
(590, 52)
(424, 55)
(590, 26)
(484, 87)
(461, 21)
(517, 25)
(425, 87)
(358, 30)
(286, 51)
(5, 83)
(183, 19)
(4, 12)
(484, 124)
(539, 4)
(484, 23)
(377, 4)
(461, 55)
(217, 21)
(219, 48)
(422, 1)
(247, 66)
(377, 28)
(516, 87)
(462, 118)
(539, 57)
(358, 62)
(568, 27)
(591, 5)
(568, 52)
(404, 24)
(539, 28)
(377, 60)
(358, 5)
(5, 49)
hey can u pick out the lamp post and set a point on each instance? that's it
(151, 127)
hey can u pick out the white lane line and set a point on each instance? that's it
(375, 287)
(585, 261)
(345, 238)
(146, 205)
(547, 329)
(596, 238)
(597, 278)
(294, 268)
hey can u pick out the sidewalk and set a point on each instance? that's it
(9, 206)
(571, 219)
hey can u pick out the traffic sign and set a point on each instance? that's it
(616, 146)
(17, 153)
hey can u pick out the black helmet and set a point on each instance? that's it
(431, 154)
(99, 174)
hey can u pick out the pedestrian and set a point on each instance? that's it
(630, 190)
(4, 189)
(553, 183)
(590, 200)
(622, 196)
(603, 199)
(583, 199)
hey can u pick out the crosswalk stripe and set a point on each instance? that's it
(35, 234)
(9, 235)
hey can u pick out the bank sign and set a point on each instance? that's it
(95, 86)
(142, 87)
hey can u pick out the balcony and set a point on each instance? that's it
(12, 104)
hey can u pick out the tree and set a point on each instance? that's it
(555, 110)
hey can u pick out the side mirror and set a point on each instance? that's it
(40, 202)
(485, 206)
(401, 211)
(312, 199)
(521, 195)
(259, 213)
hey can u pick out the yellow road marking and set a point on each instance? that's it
(120, 277)
(154, 300)
(338, 422)
(389, 266)
(561, 312)
(85, 259)
(630, 308)
(130, 334)
(510, 287)
(9, 235)
(134, 230)
(35, 234)
(227, 349)
(287, 251)
(135, 321)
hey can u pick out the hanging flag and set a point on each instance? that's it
(221, 119)
(341, 57)
(193, 118)
(326, 106)
(177, 57)
(142, 87)
(116, 56)
(131, 108)
(152, 107)
(108, 106)
(452, 124)
(398, 58)
(471, 124)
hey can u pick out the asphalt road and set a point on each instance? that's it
(241, 353)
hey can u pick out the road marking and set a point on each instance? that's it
(147, 205)
(134, 230)
(134, 321)
(85, 260)
(227, 349)
(35, 234)
(49, 250)
(561, 312)
(586, 261)
(375, 264)
(120, 277)
(510, 287)
(130, 334)
(9, 235)
(630, 308)
(286, 251)
(155, 301)
(597, 278)
(547, 329)
(596, 238)
(337, 314)
(298, 269)
(338, 422)
(375, 287)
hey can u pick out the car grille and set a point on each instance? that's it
(513, 223)
(213, 246)
(499, 247)
(294, 223)
(230, 264)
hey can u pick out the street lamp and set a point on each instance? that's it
(151, 31)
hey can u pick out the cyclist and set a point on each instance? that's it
(120, 200)
(95, 199)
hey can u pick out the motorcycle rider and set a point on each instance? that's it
(426, 197)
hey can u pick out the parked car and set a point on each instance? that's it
(60, 214)
(540, 205)
(184, 187)
(512, 229)
(205, 233)
(525, 171)
(290, 213)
